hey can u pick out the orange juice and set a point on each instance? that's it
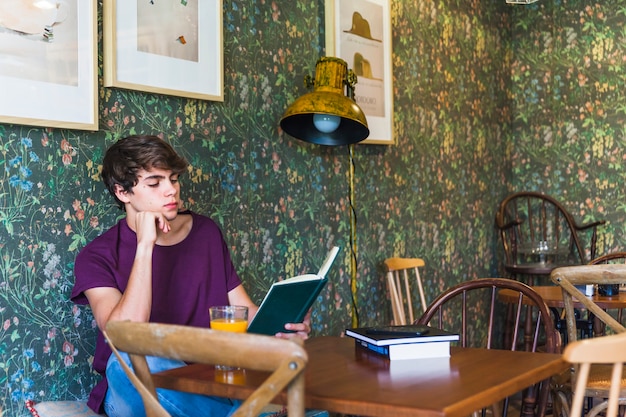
(230, 325)
(234, 377)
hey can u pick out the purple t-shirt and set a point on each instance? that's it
(187, 278)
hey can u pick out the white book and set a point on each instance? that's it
(393, 335)
(408, 350)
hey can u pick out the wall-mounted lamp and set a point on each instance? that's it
(330, 116)
(327, 115)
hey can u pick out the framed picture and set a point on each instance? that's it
(165, 47)
(48, 64)
(359, 32)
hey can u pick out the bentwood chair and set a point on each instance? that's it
(285, 359)
(400, 274)
(585, 322)
(474, 310)
(605, 351)
(538, 234)
(598, 382)
(618, 257)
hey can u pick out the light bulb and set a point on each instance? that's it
(326, 123)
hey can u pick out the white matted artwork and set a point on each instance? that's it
(359, 32)
(48, 63)
(165, 47)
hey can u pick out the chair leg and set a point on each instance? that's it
(528, 406)
(560, 404)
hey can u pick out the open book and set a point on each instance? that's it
(288, 301)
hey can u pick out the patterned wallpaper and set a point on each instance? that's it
(568, 77)
(488, 98)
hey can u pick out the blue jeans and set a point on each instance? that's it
(122, 400)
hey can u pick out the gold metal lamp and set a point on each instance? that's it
(327, 116)
(330, 116)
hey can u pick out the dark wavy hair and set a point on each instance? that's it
(125, 158)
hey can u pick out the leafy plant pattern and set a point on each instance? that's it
(488, 99)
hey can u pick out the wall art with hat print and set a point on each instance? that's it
(359, 32)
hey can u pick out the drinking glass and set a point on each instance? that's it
(229, 319)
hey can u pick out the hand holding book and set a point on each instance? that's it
(289, 301)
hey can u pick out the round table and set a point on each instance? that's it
(553, 297)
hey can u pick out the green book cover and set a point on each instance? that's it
(288, 301)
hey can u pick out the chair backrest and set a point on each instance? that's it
(400, 273)
(530, 222)
(285, 359)
(599, 350)
(610, 258)
(570, 277)
(488, 321)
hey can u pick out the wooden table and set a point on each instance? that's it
(343, 379)
(553, 297)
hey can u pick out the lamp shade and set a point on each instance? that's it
(313, 117)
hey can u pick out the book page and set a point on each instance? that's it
(328, 261)
(299, 278)
(330, 258)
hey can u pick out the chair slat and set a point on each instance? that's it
(400, 274)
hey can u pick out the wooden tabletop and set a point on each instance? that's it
(343, 379)
(553, 297)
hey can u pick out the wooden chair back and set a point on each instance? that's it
(607, 350)
(484, 323)
(400, 274)
(285, 359)
(610, 258)
(527, 220)
(568, 278)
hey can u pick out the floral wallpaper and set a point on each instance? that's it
(568, 83)
(488, 98)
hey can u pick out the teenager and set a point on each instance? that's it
(160, 263)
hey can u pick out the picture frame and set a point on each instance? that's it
(140, 37)
(359, 32)
(48, 65)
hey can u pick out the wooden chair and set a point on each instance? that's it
(611, 258)
(286, 359)
(482, 322)
(400, 289)
(608, 352)
(585, 324)
(68, 408)
(568, 278)
(618, 257)
(539, 234)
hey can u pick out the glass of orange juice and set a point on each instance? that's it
(230, 319)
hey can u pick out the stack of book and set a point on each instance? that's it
(404, 342)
